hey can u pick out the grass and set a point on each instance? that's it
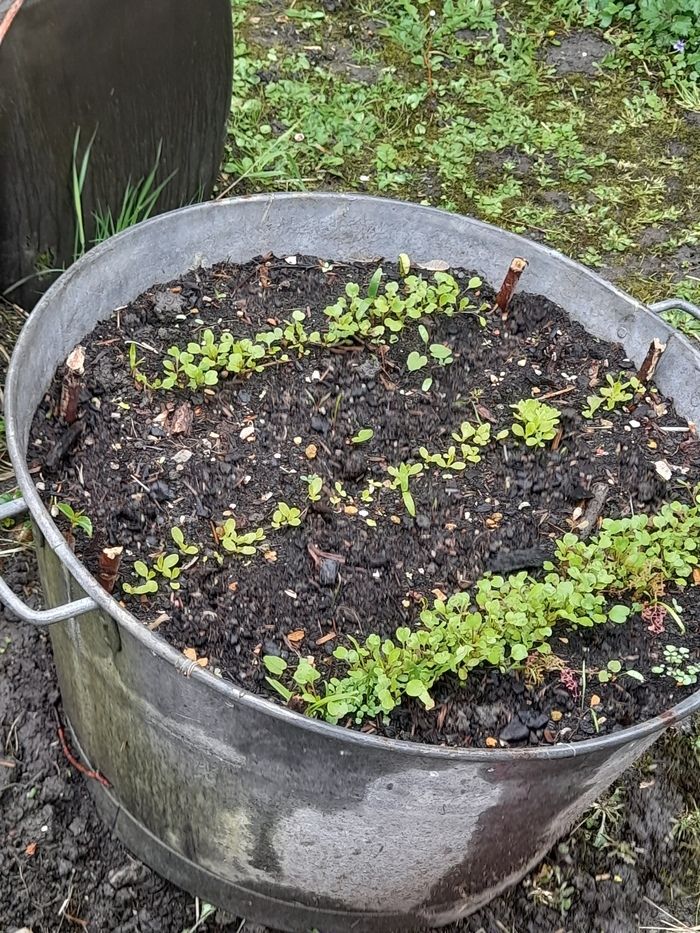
(138, 201)
(462, 110)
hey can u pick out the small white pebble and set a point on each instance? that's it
(635, 424)
(292, 260)
(248, 431)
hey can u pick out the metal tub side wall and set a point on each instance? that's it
(293, 827)
(256, 808)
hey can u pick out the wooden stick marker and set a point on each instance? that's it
(72, 385)
(517, 267)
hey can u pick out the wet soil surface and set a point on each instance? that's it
(145, 462)
(62, 871)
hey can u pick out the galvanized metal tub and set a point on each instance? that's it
(261, 811)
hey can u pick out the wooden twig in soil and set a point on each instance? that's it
(108, 568)
(647, 370)
(505, 293)
(651, 361)
(72, 385)
(95, 775)
(593, 509)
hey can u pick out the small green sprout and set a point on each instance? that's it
(277, 666)
(677, 666)
(315, 486)
(404, 265)
(286, 516)
(416, 361)
(608, 674)
(243, 545)
(613, 394)
(441, 353)
(134, 363)
(446, 461)
(167, 566)
(76, 517)
(149, 584)
(363, 435)
(402, 476)
(179, 539)
(535, 422)
(374, 283)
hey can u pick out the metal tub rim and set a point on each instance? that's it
(158, 645)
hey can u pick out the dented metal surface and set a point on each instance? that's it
(255, 808)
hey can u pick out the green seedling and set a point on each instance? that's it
(181, 367)
(363, 435)
(416, 361)
(315, 486)
(613, 394)
(167, 566)
(446, 461)
(608, 674)
(76, 517)
(286, 516)
(241, 544)
(472, 437)
(678, 666)
(374, 283)
(503, 621)
(535, 422)
(134, 363)
(179, 539)
(402, 476)
(149, 584)
(441, 353)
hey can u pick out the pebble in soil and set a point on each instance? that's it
(244, 446)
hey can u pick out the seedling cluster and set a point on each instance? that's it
(502, 621)
(613, 394)
(678, 666)
(535, 422)
(376, 318)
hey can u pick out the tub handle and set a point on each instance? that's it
(14, 603)
(675, 304)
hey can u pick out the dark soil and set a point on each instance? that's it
(250, 442)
